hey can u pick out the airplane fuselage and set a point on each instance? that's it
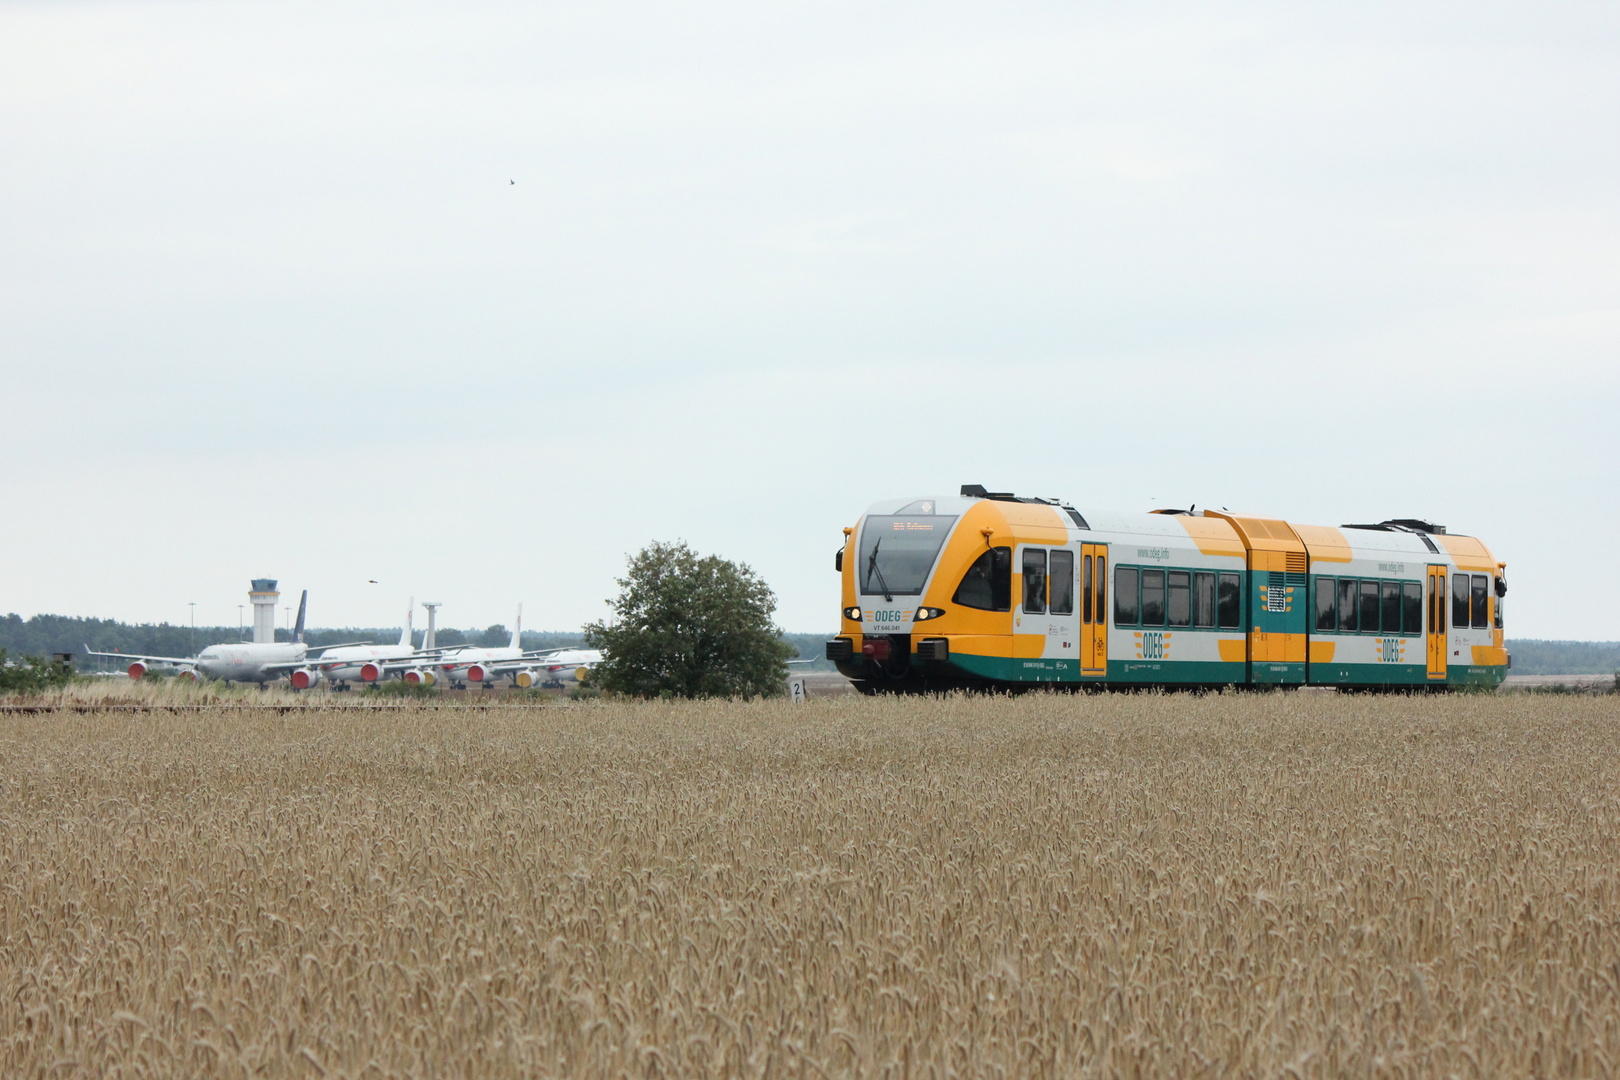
(470, 662)
(246, 662)
(343, 664)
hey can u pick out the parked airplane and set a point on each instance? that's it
(548, 668)
(432, 662)
(472, 663)
(342, 663)
(464, 664)
(248, 661)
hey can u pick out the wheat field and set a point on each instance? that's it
(1239, 885)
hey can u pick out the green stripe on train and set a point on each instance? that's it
(1218, 673)
(1018, 670)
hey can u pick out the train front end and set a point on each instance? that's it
(927, 590)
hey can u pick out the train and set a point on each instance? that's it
(995, 591)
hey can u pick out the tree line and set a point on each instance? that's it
(43, 635)
(46, 634)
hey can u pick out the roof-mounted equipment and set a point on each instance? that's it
(976, 491)
(1415, 525)
(1421, 529)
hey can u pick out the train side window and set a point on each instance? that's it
(1034, 580)
(1440, 607)
(1369, 607)
(1347, 606)
(1498, 609)
(1482, 611)
(1153, 598)
(1102, 590)
(987, 585)
(1327, 618)
(1062, 585)
(1179, 602)
(1412, 607)
(1230, 602)
(1459, 601)
(1204, 599)
(1085, 590)
(1126, 608)
(1391, 604)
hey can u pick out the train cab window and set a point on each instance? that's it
(1085, 590)
(1459, 601)
(1203, 599)
(987, 585)
(1229, 602)
(1369, 607)
(1347, 606)
(1327, 618)
(1153, 598)
(1178, 602)
(1034, 580)
(1390, 602)
(1498, 609)
(1062, 585)
(1126, 609)
(1482, 592)
(1412, 607)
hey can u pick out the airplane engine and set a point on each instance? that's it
(137, 669)
(526, 679)
(370, 672)
(419, 677)
(187, 673)
(304, 678)
(477, 673)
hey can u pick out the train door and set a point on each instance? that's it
(1093, 610)
(1436, 637)
(1063, 610)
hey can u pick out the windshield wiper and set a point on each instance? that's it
(871, 566)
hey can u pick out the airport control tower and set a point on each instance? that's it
(264, 597)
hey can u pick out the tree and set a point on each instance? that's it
(32, 673)
(691, 626)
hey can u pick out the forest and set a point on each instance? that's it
(46, 634)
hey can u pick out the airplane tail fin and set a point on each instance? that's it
(410, 613)
(298, 627)
(517, 630)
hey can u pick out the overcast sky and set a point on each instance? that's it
(474, 299)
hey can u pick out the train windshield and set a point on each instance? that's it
(897, 552)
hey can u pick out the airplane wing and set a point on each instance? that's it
(404, 663)
(342, 661)
(179, 661)
(550, 659)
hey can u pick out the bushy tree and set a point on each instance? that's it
(691, 626)
(31, 674)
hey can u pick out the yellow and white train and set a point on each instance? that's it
(991, 590)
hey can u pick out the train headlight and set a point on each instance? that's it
(926, 613)
(853, 613)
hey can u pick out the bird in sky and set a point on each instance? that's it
(372, 581)
(512, 182)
